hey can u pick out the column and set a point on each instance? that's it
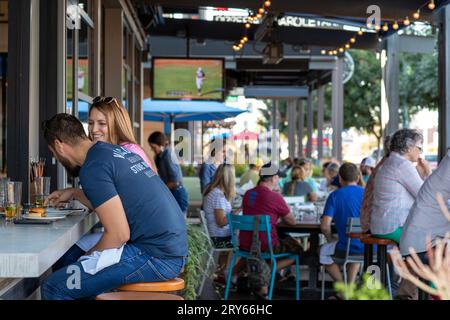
(275, 119)
(337, 108)
(301, 124)
(114, 48)
(320, 110)
(309, 123)
(291, 118)
(444, 80)
(390, 65)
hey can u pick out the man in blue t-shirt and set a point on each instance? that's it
(342, 204)
(144, 237)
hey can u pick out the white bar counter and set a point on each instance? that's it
(27, 250)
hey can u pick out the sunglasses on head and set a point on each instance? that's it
(101, 99)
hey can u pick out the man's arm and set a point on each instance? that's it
(325, 227)
(113, 218)
(289, 219)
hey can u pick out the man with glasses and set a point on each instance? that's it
(144, 237)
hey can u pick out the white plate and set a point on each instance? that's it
(44, 218)
(56, 212)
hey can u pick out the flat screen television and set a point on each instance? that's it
(188, 79)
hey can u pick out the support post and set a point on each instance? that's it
(301, 124)
(320, 110)
(337, 108)
(309, 124)
(291, 118)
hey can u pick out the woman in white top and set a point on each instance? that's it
(217, 200)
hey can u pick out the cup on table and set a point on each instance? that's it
(3, 193)
(13, 199)
(41, 186)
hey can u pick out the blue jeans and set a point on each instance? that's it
(180, 194)
(71, 282)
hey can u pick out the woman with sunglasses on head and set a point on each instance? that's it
(109, 122)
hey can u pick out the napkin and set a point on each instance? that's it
(99, 260)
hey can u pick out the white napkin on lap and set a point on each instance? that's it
(100, 260)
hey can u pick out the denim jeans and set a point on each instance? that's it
(182, 197)
(71, 282)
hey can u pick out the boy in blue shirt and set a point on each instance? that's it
(342, 204)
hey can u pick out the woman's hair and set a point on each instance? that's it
(118, 121)
(404, 139)
(298, 174)
(158, 138)
(224, 179)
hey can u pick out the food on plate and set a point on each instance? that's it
(37, 212)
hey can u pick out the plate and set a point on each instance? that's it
(44, 218)
(57, 212)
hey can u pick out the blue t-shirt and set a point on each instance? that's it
(168, 168)
(156, 222)
(342, 204)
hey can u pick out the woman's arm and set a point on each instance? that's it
(221, 218)
(312, 196)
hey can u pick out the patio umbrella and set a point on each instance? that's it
(245, 135)
(171, 111)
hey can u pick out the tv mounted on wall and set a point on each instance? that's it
(188, 78)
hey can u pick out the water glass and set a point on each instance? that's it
(13, 200)
(3, 193)
(41, 186)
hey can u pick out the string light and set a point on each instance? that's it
(261, 10)
(416, 15)
(431, 5)
(377, 27)
(259, 16)
(347, 46)
(248, 25)
(341, 50)
(385, 27)
(395, 25)
(330, 52)
(334, 52)
(267, 4)
(323, 51)
(245, 38)
(352, 40)
(406, 22)
(360, 33)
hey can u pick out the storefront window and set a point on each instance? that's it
(3, 82)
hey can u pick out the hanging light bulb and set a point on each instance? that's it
(245, 38)
(341, 50)
(248, 25)
(385, 27)
(334, 52)
(395, 25)
(259, 16)
(416, 15)
(360, 33)
(406, 22)
(347, 46)
(267, 3)
(377, 27)
(240, 45)
(323, 51)
(352, 40)
(236, 48)
(431, 5)
(242, 41)
(369, 25)
(330, 52)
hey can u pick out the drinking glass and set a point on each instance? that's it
(3, 193)
(41, 187)
(13, 199)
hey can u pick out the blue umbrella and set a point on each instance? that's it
(176, 110)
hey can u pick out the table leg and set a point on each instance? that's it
(314, 263)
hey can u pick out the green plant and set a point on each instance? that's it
(316, 171)
(240, 169)
(199, 251)
(368, 290)
(189, 170)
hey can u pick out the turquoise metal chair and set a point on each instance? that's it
(245, 223)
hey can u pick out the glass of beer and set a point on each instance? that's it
(13, 199)
(41, 190)
(3, 193)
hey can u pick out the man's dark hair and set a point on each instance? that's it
(349, 172)
(158, 138)
(325, 165)
(251, 166)
(63, 127)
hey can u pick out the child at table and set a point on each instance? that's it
(342, 204)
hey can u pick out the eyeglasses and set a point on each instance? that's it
(420, 148)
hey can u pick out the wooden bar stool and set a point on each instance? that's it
(137, 296)
(369, 242)
(176, 284)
